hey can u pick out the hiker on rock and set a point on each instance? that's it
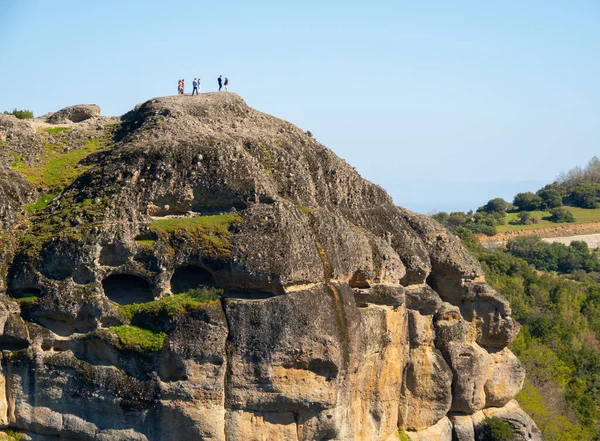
(226, 84)
(220, 81)
(199, 88)
(178, 87)
(183, 87)
(195, 86)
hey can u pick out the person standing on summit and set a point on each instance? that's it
(226, 84)
(220, 81)
(195, 86)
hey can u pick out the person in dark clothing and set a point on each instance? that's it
(195, 87)
(226, 84)
(220, 81)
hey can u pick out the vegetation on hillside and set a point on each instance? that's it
(494, 429)
(57, 168)
(559, 343)
(573, 198)
(21, 114)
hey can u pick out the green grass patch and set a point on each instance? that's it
(41, 203)
(2, 143)
(218, 224)
(582, 216)
(139, 339)
(402, 436)
(211, 233)
(57, 169)
(304, 209)
(17, 160)
(13, 435)
(147, 244)
(29, 300)
(56, 130)
(176, 304)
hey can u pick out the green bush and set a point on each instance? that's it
(21, 114)
(584, 196)
(524, 218)
(494, 429)
(527, 201)
(561, 215)
(497, 205)
(551, 198)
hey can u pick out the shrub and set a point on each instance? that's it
(584, 196)
(494, 429)
(561, 215)
(527, 201)
(524, 218)
(551, 198)
(21, 114)
(441, 217)
(497, 205)
(457, 218)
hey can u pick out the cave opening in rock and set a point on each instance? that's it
(23, 292)
(126, 289)
(190, 277)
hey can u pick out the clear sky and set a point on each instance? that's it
(446, 104)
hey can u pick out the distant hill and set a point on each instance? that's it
(572, 199)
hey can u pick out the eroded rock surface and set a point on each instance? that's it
(213, 273)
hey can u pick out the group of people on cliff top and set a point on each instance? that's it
(196, 85)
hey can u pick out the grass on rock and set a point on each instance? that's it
(210, 232)
(139, 339)
(147, 244)
(57, 130)
(41, 203)
(27, 300)
(173, 305)
(57, 168)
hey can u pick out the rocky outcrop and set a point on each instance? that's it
(75, 114)
(213, 273)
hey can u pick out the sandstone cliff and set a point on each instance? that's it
(203, 271)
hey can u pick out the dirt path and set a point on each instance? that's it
(560, 231)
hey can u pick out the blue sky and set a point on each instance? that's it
(446, 104)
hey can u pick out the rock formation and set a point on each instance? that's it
(203, 271)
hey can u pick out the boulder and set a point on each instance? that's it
(75, 114)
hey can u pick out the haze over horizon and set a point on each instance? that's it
(444, 105)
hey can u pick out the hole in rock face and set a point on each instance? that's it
(56, 264)
(10, 343)
(359, 280)
(25, 292)
(190, 277)
(60, 324)
(114, 255)
(125, 289)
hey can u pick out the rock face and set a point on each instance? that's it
(213, 273)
